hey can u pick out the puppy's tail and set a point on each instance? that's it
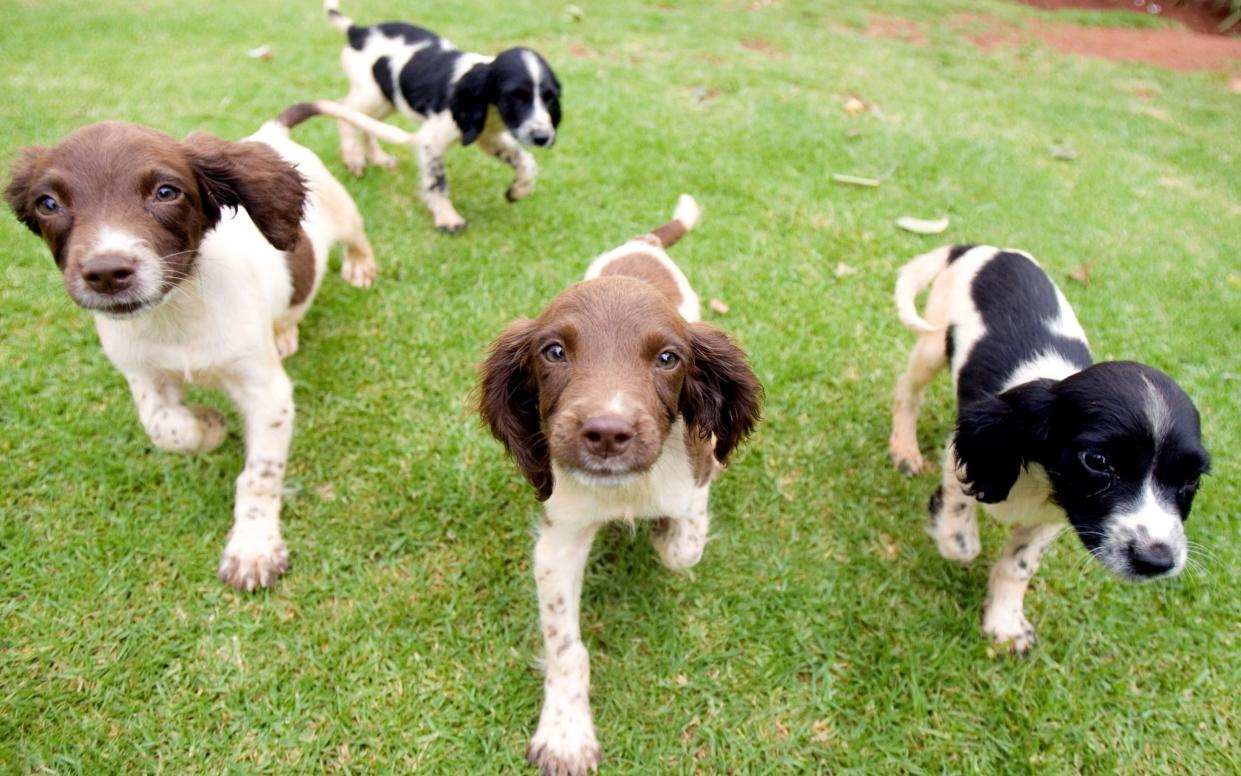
(335, 17)
(683, 220)
(296, 114)
(915, 276)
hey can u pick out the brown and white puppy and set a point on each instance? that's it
(198, 258)
(617, 405)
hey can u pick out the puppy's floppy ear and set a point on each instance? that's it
(509, 403)
(470, 98)
(721, 394)
(17, 194)
(249, 175)
(998, 435)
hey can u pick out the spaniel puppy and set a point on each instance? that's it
(502, 103)
(617, 405)
(198, 259)
(1042, 434)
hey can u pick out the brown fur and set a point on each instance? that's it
(669, 233)
(612, 330)
(301, 263)
(646, 267)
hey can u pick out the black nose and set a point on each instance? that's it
(109, 273)
(541, 138)
(1151, 559)
(607, 435)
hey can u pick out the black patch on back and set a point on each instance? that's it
(957, 251)
(357, 35)
(426, 80)
(406, 32)
(1016, 301)
(382, 72)
(950, 346)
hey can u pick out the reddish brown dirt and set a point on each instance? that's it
(894, 29)
(1196, 16)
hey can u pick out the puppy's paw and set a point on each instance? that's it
(451, 226)
(566, 747)
(520, 189)
(1008, 628)
(958, 544)
(254, 557)
(286, 341)
(359, 270)
(679, 543)
(906, 456)
(385, 160)
(211, 428)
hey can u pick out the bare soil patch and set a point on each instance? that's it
(1198, 17)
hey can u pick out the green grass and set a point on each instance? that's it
(821, 632)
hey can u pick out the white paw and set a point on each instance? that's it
(255, 556)
(210, 426)
(450, 224)
(286, 342)
(1008, 628)
(520, 189)
(385, 160)
(906, 456)
(359, 271)
(355, 162)
(565, 746)
(959, 543)
(678, 543)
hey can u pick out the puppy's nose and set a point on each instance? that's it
(607, 435)
(1151, 559)
(541, 137)
(109, 273)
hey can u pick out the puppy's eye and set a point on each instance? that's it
(668, 360)
(1096, 462)
(167, 193)
(554, 353)
(47, 205)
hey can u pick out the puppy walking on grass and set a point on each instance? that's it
(1043, 434)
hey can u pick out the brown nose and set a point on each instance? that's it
(607, 435)
(109, 273)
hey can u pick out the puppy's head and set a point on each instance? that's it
(524, 90)
(1122, 448)
(597, 381)
(123, 208)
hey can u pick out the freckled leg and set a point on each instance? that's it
(680, 540)
(925, 360)
(954, 515)
(435, 189)
(170, 424)
(564, 742)
(504, 147)
(356, 146)
(255, 554)
(1003, 616)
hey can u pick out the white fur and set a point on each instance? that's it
(218, 329)
(1148, 521)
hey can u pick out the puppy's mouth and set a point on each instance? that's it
(125, 307)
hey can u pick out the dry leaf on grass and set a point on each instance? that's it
(1062, 151)
(1081, 274)
(854, 180)
(573, 13)
(718, 306)
(844, 270)
(263, 52)
(922, 225)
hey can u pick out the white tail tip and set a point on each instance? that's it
(687, 211)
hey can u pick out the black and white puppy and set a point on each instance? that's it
(1042, 435)
(502, 103)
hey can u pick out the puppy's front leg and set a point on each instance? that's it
(255, 554)
(170, 424)
(1003, 614)
(504, 147)
(564, 743)
(435, 188)
(680, 540)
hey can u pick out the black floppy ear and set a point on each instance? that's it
(17, 193)
(998, 435)
(509, 403)
(470, 98)
(249, 175)
(721, 395)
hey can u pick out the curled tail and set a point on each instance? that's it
(335, 17)
(296, 114)
(916, 275)
(683, 219)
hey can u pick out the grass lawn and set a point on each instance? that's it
(821, 632)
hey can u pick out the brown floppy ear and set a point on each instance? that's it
(509, 403)
(249, 175)
(721, 394)
(17, 193)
